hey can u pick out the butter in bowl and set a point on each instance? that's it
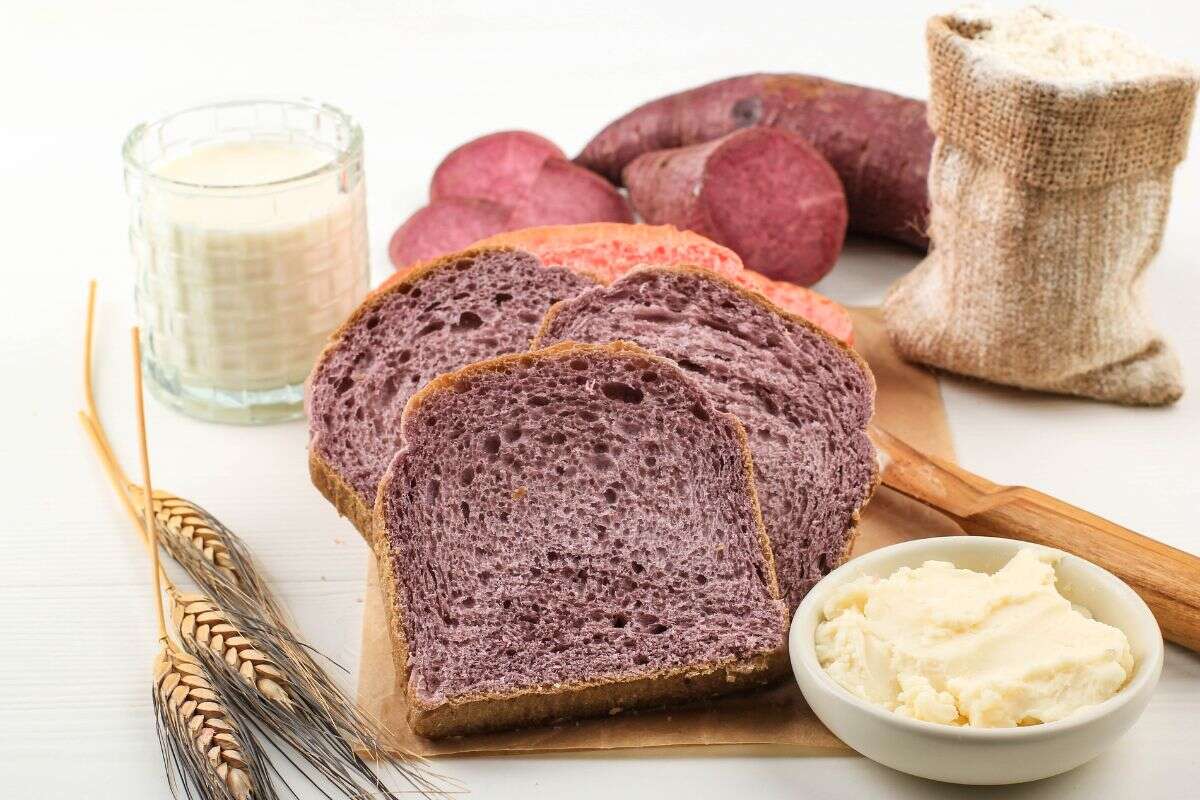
(1003, 682)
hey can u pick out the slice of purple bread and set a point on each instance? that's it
(804, 397)
(572, 532)
(463, 308)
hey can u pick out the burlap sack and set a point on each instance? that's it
(1048, 202)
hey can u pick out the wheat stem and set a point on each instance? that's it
(148, 518)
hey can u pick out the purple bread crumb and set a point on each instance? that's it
(478, 305)
(574, 515)
(805, 401)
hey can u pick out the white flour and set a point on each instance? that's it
(1044, 46)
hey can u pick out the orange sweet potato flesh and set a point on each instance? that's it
(607, 250)
(878, 142)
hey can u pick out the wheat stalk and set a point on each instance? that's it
(237, 634)
(194, 723)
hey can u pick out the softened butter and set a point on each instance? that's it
(950, 645)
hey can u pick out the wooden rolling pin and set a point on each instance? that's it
(1166, 578)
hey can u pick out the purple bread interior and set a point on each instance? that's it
(804, 399)
(578, 514)
(466, 308)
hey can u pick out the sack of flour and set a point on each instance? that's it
(1050, 182)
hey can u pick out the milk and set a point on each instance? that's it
(250, 253)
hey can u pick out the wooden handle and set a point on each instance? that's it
(1166, 578)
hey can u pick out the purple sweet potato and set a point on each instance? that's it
(498, 167)
(878, 142)
(444, 226)
(764, 193)
(566, 194)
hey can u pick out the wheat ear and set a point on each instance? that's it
(198, 733)
(195, 724)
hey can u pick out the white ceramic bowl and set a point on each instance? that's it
(981, 755)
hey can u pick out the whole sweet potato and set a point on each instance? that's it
(877, 142)
(764, 193)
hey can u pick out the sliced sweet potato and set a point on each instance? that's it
(499, 167)
(765, 193)
(444, 226)
(566, 194)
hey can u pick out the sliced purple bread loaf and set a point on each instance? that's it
(804, 397)
(573, 532)
(457, 310)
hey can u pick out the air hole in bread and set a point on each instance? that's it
(654, 315)
(467, 321)
(602, 462)
(388, 390)
(622, 392)
(432, 327)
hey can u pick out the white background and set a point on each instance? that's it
(77, 632)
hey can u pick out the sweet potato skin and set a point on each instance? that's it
(763, 192)
(878, 142)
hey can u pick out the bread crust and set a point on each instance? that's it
(478, 712)
(324, 476)
(756, 297)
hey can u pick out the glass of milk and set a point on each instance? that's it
(248, 229)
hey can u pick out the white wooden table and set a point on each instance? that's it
(75, 719)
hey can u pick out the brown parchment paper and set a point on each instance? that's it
(908, 404)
